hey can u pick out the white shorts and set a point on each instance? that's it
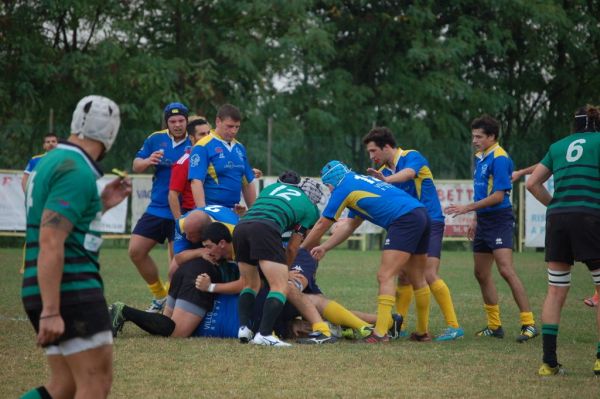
(77, 345)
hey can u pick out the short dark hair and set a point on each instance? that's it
(489, 125)
(380, 136)
(216, 232)
(289, 177)
(192, 125)
(587, 119)
(50, 135)
(229, 111)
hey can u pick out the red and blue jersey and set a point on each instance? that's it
(217, 213)
(222, 167)
(422, 186)
(33, 162)
(370, 199)
(172, 151)
(493, 172)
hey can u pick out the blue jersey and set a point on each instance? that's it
(217, 213)
(369, 198)
(422, 186)
(493, 172)
(222, 167)
(162, 140)
(33, 162)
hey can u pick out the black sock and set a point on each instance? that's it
(245, 305)
(271, 310)
(549, 335)
(153, 323)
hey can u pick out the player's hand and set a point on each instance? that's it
(298, 279)
(456, 210)
(471, 230)
(203, 282)
(115, 192)
(51, 328)
(257, 173)
(376, 174)
(155, 157)
(240, 209)
(318, 252)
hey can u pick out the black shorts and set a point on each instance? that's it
(258, 240)
(81, 320)
(572, 237)
(183, 285)
(155, 228)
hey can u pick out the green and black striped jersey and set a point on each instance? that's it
(65, 182)
(285, 205)
(575, 164)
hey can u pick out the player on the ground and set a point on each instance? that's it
(572, 222)
(62, 289)
(407, 225)
(492, 228)
(160, 150)
(409, 170)
(50, 143)
(186, 306)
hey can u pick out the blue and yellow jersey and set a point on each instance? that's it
(172, 151)
(222, 167)
(422, 186)
(33, 163)
(370, 199)
(493, 172)
(217, 213)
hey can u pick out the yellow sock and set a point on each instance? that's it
(322, 327)
(158, 289)
(441, 293)
(493, 316)
(337, 314)
(404, 294)
(422, 298)
(527, 318)
(167, 286)
(385, 303)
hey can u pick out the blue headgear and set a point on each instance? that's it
(333, 173)
(173, 109)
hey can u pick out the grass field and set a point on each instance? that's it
(151, 367)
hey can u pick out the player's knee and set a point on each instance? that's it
(481, 276)
(507, 272)
(136, 254)
(558, 278)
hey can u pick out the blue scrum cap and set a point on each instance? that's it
(173, 109)
(333, 173)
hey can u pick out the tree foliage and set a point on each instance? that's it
(325, 71)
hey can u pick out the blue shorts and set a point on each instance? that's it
(223, 320)
(306, 265)
(155, 228)
(436, 236)
(494, 231)
(409, 233)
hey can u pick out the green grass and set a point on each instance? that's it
(152, 367)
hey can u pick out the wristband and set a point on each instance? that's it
(49, 316)
(211, 287)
